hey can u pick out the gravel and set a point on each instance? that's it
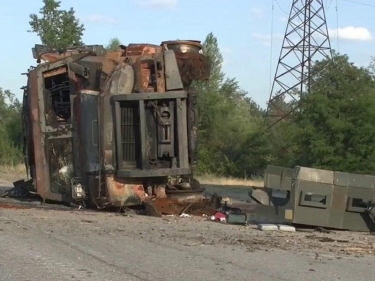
(66, 244)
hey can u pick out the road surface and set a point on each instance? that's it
(65, 244)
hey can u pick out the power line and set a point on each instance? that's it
(359, 3)
(329, 4)
(271, 51)
(278, 4)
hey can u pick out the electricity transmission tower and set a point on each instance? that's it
(305, 41)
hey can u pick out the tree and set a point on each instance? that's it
(10, 128)
(56, 28)
(335, 129)
(210, 102)
(113, 44)
(226, 118)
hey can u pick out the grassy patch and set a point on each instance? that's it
(12, 172)
(229, 181)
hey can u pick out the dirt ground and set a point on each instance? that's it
(196, 231)
(8, 177)
(69, 244)
(87, 245)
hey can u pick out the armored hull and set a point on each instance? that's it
(113, 129)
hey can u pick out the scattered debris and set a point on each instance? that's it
(287, 228)
(276, 227)
(322, 229)
(237, 218)
(188, 203)
(268, 227)
(219, 217)
(21, 189)
(327, 239)
(183, 215)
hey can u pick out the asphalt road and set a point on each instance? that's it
(61, 245)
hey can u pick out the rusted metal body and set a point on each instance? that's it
(316, 197)
(113, 129)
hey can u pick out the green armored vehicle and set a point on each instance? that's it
(316, 197)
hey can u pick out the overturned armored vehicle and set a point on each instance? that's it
(113, 128)
(316, 197)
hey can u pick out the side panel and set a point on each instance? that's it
(272, 177)
(337, 207)
(313, 175)
(359, 192)
(342, 205)
(192, 108)
(275, 214)
(313, 202)
(355, 216)
(28, 151)
(89, 132)
(173, 79)
(42, 177)
(56, 98)
(278, 184)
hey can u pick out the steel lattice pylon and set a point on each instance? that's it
(306, 40)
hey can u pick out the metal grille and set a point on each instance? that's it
(130, 138)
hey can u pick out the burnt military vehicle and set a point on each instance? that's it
(113, 128)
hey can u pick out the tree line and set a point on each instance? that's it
(334, 128)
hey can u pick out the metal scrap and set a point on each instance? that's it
(21, 189)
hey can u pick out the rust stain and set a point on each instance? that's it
(114, 55)
(10, 206)
(145, 78)
(142, 49)
(160, 191)
(203, 212)
(54, 72)
(193, 66)
(123, 192)
(37, 135)
(169, 206)
(159, 69)
(52, 57)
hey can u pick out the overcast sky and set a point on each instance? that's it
(243, 29)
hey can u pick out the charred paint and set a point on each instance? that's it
(121, 136)
(121, 192)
